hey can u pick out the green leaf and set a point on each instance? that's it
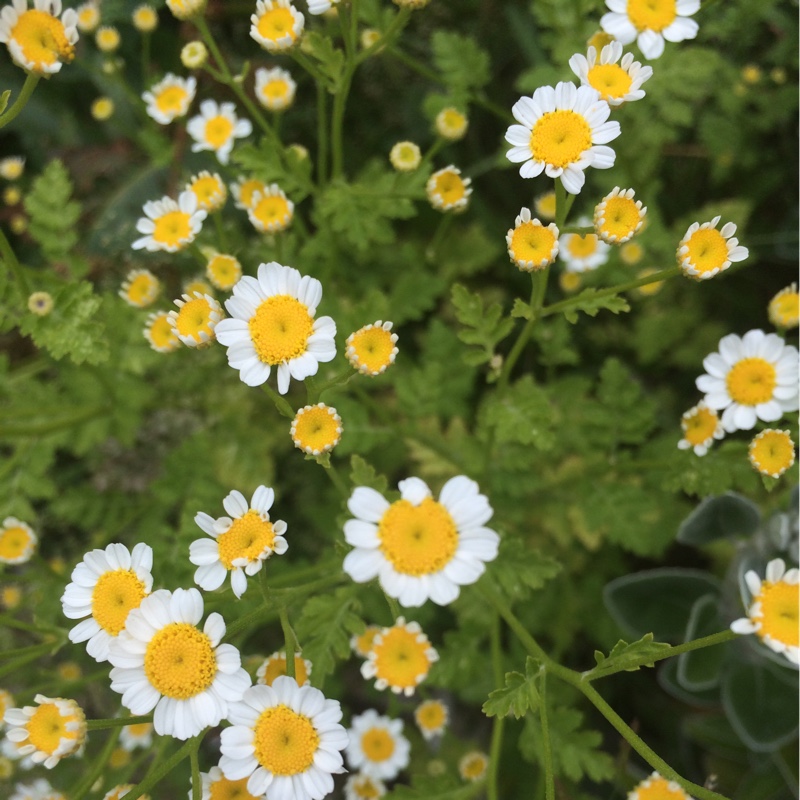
(589, 303)
(273, 165)
(729, 516)
(629, 657)
(364, 474)
(521, 309)
(519, 695)
(521, 414)
(518, 570)
(459, 59)
(4, 98)
(52, 214)
(485, 326)
(329, 59)
(699, 670)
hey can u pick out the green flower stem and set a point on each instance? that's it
(337, 120)
(262, 614)
(280, 403)
(32, 649)
(661, 275)
(291, 646)
(222, 238)
(432, 250)
(549, 777)
(317, 390)
(335, 478)
(303, 61)
(31, 79)
(145, 58)
(498, 723)
(413, 64)
(84, 785)
(197, 783)
(116, 722)
(304, 574)
(394, 608)
(322, 133)
(431, 152)
(160, 769)
(289, 596)
(563, 203)
(10, 622)
(8, 255)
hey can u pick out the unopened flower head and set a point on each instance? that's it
(705, 251)
(773, 610)
(531, 244)
(431, 718)
(784, 308)
(772, 452)
(164, 663)
(701, 426)
(751, 377)
(138, 735)
(400, 659)
(216, 786)
(159, 332)
(40, 303)
(405, 156)
(364, 787)
(216, 128)
(102, 108)
(240, 543)
(286, 739)
(451, 124)
(270, 210)
(196, 319)
(12, 167)
(140, 288)
(650, 23)
(582, 252)
(447, 190)
(39, 39)
(244, 190)
(377, 746)
(107, 39)
(275, 88)
(17, 541)
(170, 98)
(617, 81)
(51, 730)
(372, 349)
(563, 130)
(272, 325)
(186, 9)
(370, 37)
(617, 217)
(472, 766)
(361, 644)
(223, 271)
(145, 18)
(275, 665)
(194, 55)
(169, 225)
(545, 205)
(277, 25)
(88, 16)
(316, 429)
(209, 189)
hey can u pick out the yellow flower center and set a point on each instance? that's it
(226, 789)
(751, 381)
(418, 540)
(452, 122)
(47, 727)
(365, 788)
(611, 80)
(772, 452)
(631, 253)
(621, 217)
(708, 249)
(272, 211)
(431, 715)
(784, 310)
(140, 728)
(218, 131)
(14, 542)
(194, 318)
(377, 744)
(400, 659)
(142, 290)
(285, 741)
(280, 329)
(364, 642)
(276, 666)
(316, 429)
(179, 661)
(198, 286)
(532, 242)
(779, 612)
(653, 15)
(248, 188)
(372, 348)
(88, 17)
(10, 597)
(247, 537)
(700, 426)
(42, 39)
(224, 271)
(172, 99)
(276, 89)
(407, 154)
(172, 228)
(276, 24)
(582, 246)
(208, 191)
(570, 281)
(560, 137)
(659, 789)
(473, 767)
(450, 188)
(115, 594)
(161, 332)
(546, 205)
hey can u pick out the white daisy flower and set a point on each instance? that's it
(771, 452)
(195, 321)
(448, 191)
(704, 251)
(752, 377)
(163, 662)
(563, 131)
(276, 25)
(168, 225)
(431, 717)
(17, 541)
(286, 739)
(88, 16)
(216, 786)
(582, 252)
(240, 543)
(216, 128)
(617, 83)
(12, 167)
(272, 325)
(106, 586)
(318, 7)
(244, 190)
(377, 746)
(773, 610)
(531, 244)
(372, 349)
(617, 217)
(40, 789)
(701, 426)
(140, 734)
(270, 210)
(364, 787)
(650, 23)
(275, 665)
(39, 39)
(275, 88)
(417, 547)
(170, 98)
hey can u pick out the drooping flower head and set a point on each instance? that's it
(209, 189)
(563, 130)
(701, 426)
(316, 429)
(140, 288)
(272, 325)
(106, 586)
(752, 377)
(704, 251)
(275, 665)
(473, 765)
(216, 128)
(617, 81)
(377, 746)
(17, 541)
(650, 22)
(531, 244)
(196, 319)
(372, 349)
(270, 210)
(239, 543)
(223, 271)
(170, 98)
(447, 190)
(772, 452)
(582, 252)
(159, 332)
(169, 226)
(431, 718)
(275, 88)
(617, 217)
(784, 308)
(276, 25)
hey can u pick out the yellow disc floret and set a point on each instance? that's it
(275, 666)
(582, 246)
(223, 271)
(708, 250)
(532, 243)
(316, 429)
(658, 788)
(248, 537)
(560, 137)
(160, 334)
(611, 80)
(699, 425)
(377, 744)
(172, 100)
(400, 658)
(778, 612)
(115, 594)
(653, 15)
(179, 661)
(618, 218)
(280, 329)
(226, 789)
(218, 130)
(285, 741)
(371, 350)
(16, 543)
(751, 381)
(172, 228)
(57, 725)
(784, 308)
(277, 23)
(772, 452)
(195, 320)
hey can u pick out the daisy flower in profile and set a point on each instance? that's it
(704, 251)
(372, 349)
(545, 205)
(209, 189)
(39, 39)
(451, 124)
(400, 659)
(563, 131)
(169, 225)
(51, 730)
(170, 98)
(162, 661)
(316, 429)
(377, 746)
(582, 252)
(270, 210)
(364, 787)
(40, 789)
(196, 319)
(88, 16)
(275, 665)
(431, 718)
(617, 217)
(276, 25)
(216, 786)
(244, 189)
(17, 541)
(447, 190)
(216, 128)
(275, 88)
(650, 23)
(472, 766)
(420, 548)
(784, 308)
(239, 543)
(107, 39)
(272, 325)
(140, 289)
(286, 739)
(145, 18)
(753, 377)
(223, 271)
(361, 644)
(773, 611)
(138, 735)
(12, 167)
(701, 426)
(159, 332)
(657, 788)
(186, 9)
(106, 586)
(405, 156)
(617, 83)
(531, 244)
(772, 452)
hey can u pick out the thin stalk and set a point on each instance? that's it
(84, 785)
(280, 403)
(337, 121)
(290, 642)
(197, 787)
(394, 29)
(300, 57)
(498, 724)
(322, 134)
(432, 250)
(116, 722)
(8, 255)
(48, 648)
(31, 79)
(162, 769)
(336, 479)
(547, 747)
(222, 238)
(145, 58)
(243, 623)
